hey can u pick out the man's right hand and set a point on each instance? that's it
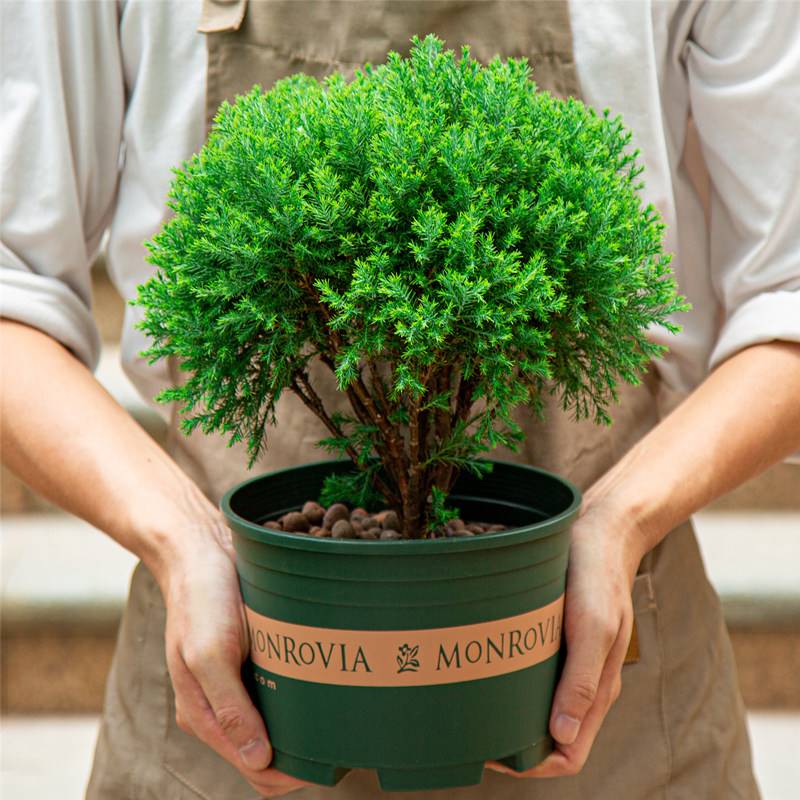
(206, 644)
(81, 450)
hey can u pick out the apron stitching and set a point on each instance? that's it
(662, 704)
(169, 711)
(137, 784)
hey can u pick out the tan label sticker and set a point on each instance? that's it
(406, 658)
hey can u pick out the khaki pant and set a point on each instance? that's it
(678, 728)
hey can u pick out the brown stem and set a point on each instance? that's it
(365, 409)
(373, 408)
(443, 425)
(383, 406)
(412, 500)
(389, 434)
(462, 410)
(444, 475)
(390, 447)
(390, 452)
(378, 385)
(312, 400)
(359, 389)
(428, 439)
(424, 455)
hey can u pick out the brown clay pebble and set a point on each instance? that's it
(359, 513)
(373, 528)
(456, 524)
(473, 527)
(459, 532)
(315, 529)
(391, 534)
(296, 522)
(496, 528)
(274, 524)
(322, 533)
(370, 533)
(357, 526)
(390, 522)
(342, 529)
(314, 512)
(334, 513)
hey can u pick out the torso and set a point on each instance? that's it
(646, 747)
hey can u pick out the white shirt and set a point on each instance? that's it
(100, 100)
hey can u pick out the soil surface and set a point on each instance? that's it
(339, 522)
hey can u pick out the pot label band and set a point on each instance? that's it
(406, 658)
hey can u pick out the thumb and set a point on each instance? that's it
(237, 717)
(589, 642)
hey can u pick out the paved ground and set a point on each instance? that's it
(48, 757)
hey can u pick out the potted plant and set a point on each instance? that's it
(452, 244)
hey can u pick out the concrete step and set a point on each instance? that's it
(752, 560)
(44, 757)
(753, 555)
(63, 589)
(64, 586)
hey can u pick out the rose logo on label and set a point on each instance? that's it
(407, 658)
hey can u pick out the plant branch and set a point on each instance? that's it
(412, 501)
(312, 400)
(361, 400)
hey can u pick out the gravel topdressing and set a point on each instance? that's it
(339, 522)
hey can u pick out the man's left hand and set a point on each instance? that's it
(598, 617)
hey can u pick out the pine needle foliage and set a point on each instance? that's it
(451, 242)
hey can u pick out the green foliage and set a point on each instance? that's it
(354, 488)
(440, 514)
(438, 232)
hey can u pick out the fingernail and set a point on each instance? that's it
(565, 729)
(254, 754)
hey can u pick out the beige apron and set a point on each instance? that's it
(678, 728)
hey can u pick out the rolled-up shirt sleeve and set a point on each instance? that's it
(63, 103)
(743, 67)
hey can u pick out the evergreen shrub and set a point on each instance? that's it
(451, 242)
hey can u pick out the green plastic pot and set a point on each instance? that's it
(420, 659)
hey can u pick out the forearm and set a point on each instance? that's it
(743, 418)
(66, 437)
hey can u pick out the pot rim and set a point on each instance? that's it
(401, 547)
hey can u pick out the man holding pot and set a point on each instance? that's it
(100, 100)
